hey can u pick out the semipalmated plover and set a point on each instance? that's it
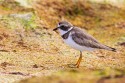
(79, 39)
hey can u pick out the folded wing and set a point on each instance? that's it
(84, 39)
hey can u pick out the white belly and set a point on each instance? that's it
(76, 46)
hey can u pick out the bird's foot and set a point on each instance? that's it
(73, 66)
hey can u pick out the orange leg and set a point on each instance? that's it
(79, 60)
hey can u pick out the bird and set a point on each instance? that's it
(79, 39)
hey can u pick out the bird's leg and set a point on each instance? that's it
(79, 60)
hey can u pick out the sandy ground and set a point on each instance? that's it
(24, 62)
(40, 54)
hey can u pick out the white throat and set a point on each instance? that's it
(63, 32)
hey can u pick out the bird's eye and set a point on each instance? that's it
(64, 28)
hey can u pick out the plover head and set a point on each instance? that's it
(63, 27)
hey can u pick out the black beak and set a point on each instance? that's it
(55, 29)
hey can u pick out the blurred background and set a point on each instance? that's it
(30, 52)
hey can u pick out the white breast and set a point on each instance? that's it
(76, 46)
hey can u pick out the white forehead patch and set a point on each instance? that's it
(58, 25)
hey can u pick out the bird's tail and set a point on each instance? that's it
(110, 48)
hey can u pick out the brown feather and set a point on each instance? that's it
(83, 38)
